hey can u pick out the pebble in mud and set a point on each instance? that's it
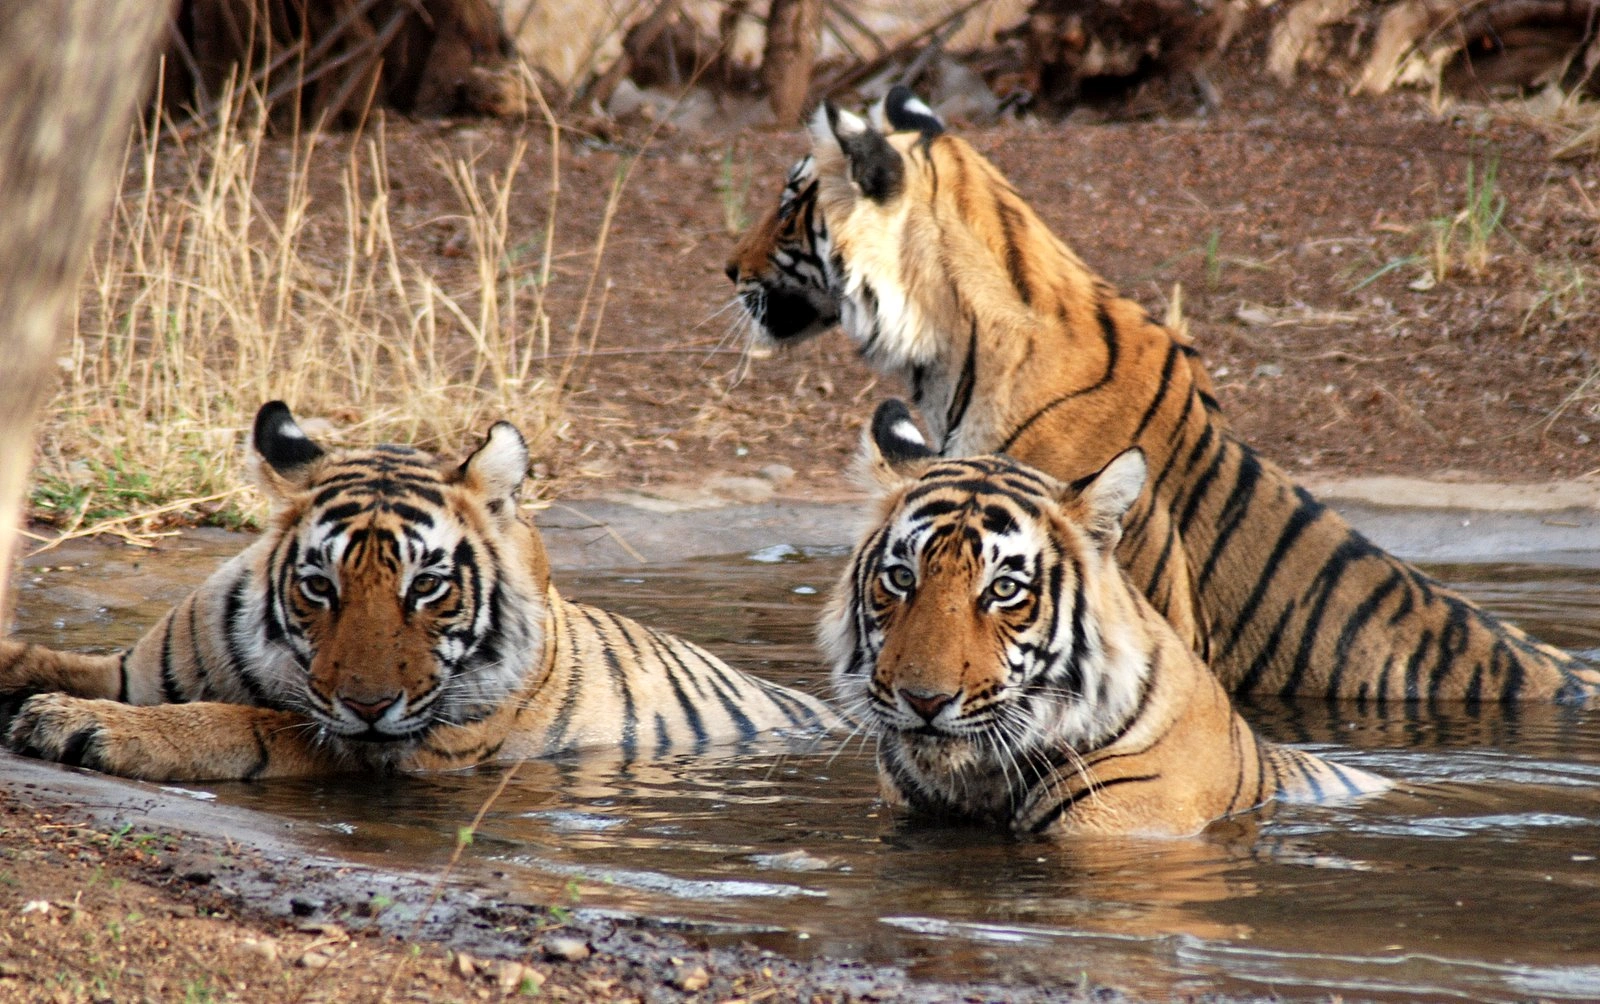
(691, 978)
(566, 949)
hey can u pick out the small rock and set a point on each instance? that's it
(266, 949)
(312, 960)
(691, 980)
(794, 861)
(778, 474)
(626, 100)
(566, 949)
(514, 977)
(748, 491)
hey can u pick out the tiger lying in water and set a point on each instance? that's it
(398, 615)
(942, 274)
(1014, 676)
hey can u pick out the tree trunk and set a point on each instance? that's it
(74, 72)
(794, 27)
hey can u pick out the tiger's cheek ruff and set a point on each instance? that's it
(497, 631)
(870, 250)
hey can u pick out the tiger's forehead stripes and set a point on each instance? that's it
(972, 522)
(382, 477)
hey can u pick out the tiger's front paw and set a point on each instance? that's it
(73, 730)
(203, 741)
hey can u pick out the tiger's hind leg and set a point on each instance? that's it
(171, 742)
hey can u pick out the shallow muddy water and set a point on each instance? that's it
(1477, 879)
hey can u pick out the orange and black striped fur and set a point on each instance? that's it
(941, 273)
(398, 615)
(1014, 676)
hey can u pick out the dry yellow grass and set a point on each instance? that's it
(201, 303)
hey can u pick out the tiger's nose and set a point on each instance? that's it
(368, 711)
(926, 704)
(732, 271)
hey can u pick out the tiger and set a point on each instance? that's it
(941, 273)
(1015, 677)
(397, 615)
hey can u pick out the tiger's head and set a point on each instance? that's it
(874, 227)
(790, 274)
(405, 590)
(981, 623)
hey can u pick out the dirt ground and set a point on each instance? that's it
(1301, 227)
(96, 910)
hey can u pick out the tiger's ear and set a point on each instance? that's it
(497, 469)
(1104, 498)
(875, 166)
(893, 451)
(902, 111)
(285, 455)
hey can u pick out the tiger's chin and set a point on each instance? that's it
(783, 316)
(942, 776)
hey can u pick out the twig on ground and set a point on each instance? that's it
(111, 526)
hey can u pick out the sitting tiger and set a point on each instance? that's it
(398, 615)
(941, 273)
(1015, 677)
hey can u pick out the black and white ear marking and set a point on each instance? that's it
(896, 436)
(903, 111)
(875, 166)
(280, 441)
(1108, 495)
(498, 467)
(893, 452)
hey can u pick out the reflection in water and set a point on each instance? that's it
(1475, 879)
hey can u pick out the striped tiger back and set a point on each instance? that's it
(398, 615)
(945, 276)
(1013, 675)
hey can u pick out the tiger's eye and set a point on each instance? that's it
(901, 578)
(1004, 589)
(318, 587)
(426, 584)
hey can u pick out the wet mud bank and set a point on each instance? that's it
(252, 866)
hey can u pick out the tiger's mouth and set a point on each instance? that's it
(786, 314)
(922, 733)
(374, 736)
